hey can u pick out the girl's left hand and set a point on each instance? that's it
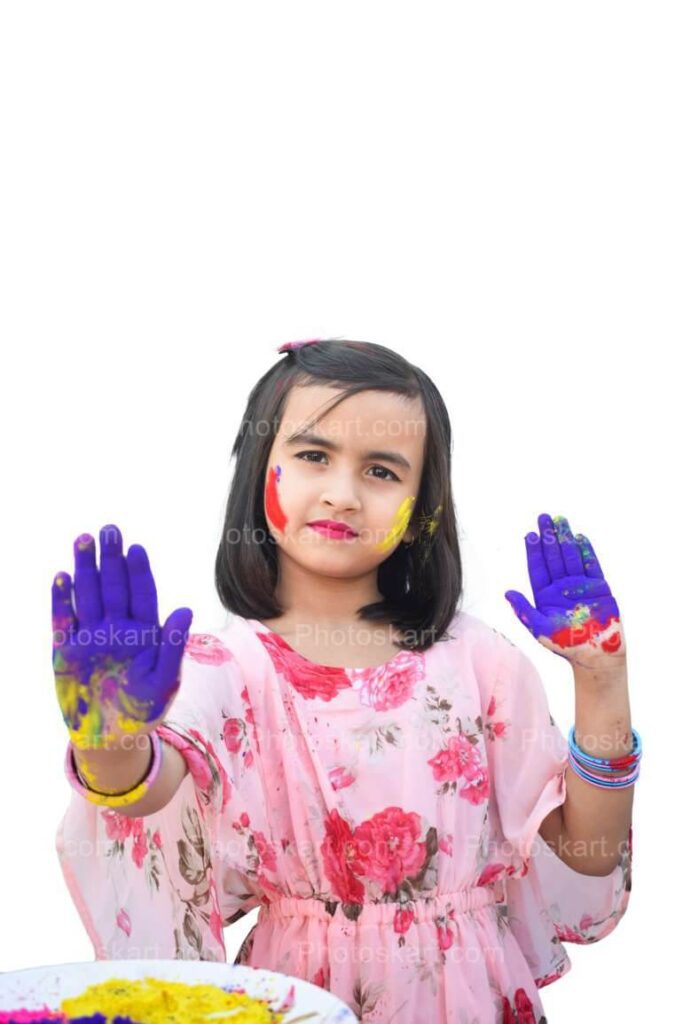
(575, 614)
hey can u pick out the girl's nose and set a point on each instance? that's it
(340, 494)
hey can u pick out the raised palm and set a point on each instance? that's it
(116, 671)
(576, 614)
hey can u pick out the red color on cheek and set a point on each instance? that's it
(273, 506)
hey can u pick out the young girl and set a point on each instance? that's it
(374, 769)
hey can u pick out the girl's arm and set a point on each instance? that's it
(596, 821)
(119, 770)
(577, 617)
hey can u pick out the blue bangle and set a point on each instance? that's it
(604, 762)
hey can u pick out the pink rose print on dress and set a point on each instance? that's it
(261, 856)
(321, 978)
(386, 687)
(339, 854)
(248, 712)
(139, 842)
(523, 1011)
(207, 771)
(249, 719)
(495, 730)
(233, 734)
(118, 826)
(388, 849)
(446, 845)
(403, 920)
(476, 790)
(461, 760)
(566, 932)
(340, 778)
(269, 892)
(216, 925)
(123, 922)
(207, 649)
(266, 851)
(309, 680)
(445, 937)
(490, 873)
(385, 849)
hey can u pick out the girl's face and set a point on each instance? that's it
(366, 474)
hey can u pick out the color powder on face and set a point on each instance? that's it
(273, 507)
(399, 525)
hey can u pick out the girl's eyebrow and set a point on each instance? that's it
(306, 437)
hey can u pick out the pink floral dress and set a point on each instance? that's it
(384, 820)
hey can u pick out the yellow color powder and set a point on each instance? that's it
(399, 525)
(153, 1001)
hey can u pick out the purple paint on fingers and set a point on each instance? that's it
(116, 669)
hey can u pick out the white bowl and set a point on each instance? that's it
(37, 987)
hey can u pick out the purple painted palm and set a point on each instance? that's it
(575, 611)
(116, 671)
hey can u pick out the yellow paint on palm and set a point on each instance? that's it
(399, 525)
(136, 712)
(580, 614)
(100, 712)
(82, 716)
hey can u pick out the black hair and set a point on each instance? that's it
(421, 582)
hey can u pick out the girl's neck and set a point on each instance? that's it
(338, 644)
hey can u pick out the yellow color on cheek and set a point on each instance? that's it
(399, 525)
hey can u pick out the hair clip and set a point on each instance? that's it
(289, 346)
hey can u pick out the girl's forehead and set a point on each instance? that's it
(367, 413)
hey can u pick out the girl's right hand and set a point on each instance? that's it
(115, 675)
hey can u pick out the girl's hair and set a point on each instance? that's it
(421, 582)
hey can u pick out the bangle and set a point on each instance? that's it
(584, 765)
(116, 799)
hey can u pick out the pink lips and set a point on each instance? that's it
(338, 531)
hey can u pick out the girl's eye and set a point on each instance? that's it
(392, 476)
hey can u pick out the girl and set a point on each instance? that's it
(373, 768)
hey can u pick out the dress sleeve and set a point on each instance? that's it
(152, 887)
(526, 751)
(547, 902)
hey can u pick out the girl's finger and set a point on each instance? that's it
(63, 618)
(534, 621)
(174, 635)
(113, 573)
(590, 560)
(569, 549)
(87, 581)
(143, 591)
(550, 547)
(539, 576)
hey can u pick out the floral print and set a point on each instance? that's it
(384, 690)
(384, 820)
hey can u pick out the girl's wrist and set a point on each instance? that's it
(117, 769)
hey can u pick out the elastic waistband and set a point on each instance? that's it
(423, 909)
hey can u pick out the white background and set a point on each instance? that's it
(493, 190)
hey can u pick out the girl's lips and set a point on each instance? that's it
(330, 531)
